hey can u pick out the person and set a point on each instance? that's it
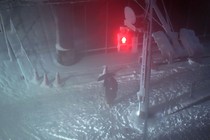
(111, 86)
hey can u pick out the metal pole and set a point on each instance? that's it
(143, 94)
(148, 70)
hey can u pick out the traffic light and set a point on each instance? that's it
(126, 39)
(123, 40)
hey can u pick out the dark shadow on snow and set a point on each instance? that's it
(154, 110)
(200, 101)
(186, 99)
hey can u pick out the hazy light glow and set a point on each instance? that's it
(123, 40)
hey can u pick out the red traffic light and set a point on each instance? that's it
(126, 40)
(123, 40)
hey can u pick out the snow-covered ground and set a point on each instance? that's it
(34, 108)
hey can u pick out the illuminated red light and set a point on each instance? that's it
(123, 40)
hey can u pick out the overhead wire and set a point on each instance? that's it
(146, 11)
(167, 16)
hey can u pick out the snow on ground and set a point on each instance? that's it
(76, 109)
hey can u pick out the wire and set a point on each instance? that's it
(145, 10)
(167, 16)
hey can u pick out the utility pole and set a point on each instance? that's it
(143, 93)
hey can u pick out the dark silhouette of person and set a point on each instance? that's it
(111, 86)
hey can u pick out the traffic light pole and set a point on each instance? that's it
(143, 94)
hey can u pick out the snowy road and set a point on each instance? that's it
(78, 111)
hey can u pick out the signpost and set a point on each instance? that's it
(143, 93)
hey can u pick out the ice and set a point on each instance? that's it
(62, 137)
(71, 107)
